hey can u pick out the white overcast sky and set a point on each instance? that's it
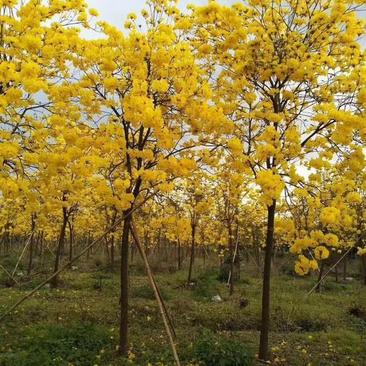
(115, 11)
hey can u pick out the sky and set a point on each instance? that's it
(115, 11)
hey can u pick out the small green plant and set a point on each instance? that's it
(213, 350)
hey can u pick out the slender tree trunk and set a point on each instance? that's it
(71, 241)
(62, 249)
(179, 255)
(41, 249)
(30, 261)
(266, 290)
(87, 244)
(31, 247)
(231, 250)
(106, 250)
(132, 253)
(191, 261)
(112, 253)
(39, 243)
(344, 268)
(123, 329)
(236, 252)
(363, 264)
(320, 276)
(61, 240)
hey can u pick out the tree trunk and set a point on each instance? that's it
(71, 242)
(61, 240)
(123, 329)
(191, 261)
(30, 262)
(320, 276)
(231, 250)
(345, 268)
(132, 253)
(41, 245)
(42, 254)
(363, 261)
(87, 244)
(263, 343)
(112, 253)
(179, 256)
(31, 247)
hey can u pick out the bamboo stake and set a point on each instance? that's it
(326, 274)
(21, 255)
(156, 292)
(166, 311)
(9, 274)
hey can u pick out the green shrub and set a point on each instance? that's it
(225, 269)
(206, 286)
(144, 292)
(147, 293)
(213, 350)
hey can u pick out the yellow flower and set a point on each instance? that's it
(361, 251)
(93, 12)
(330, 215)
(321, 252)
(235, 146)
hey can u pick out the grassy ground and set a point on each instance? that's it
(77, 323)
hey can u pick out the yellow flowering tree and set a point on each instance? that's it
(148, 83)
(286, 74)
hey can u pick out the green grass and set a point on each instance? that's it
(77, 324)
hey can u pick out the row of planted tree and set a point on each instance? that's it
(212, 127)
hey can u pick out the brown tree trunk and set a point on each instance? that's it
(266, 290)
(179, 254)
(191, 261)
(320, 276)
(31, 248)
(61, 240)
(231, 251)
(30, 261)
(42, 254)
(345, 268)
(87, 244)
(71, 241)
(123, 329)
(363, 263)
(112, 253)
(41, 244)
(132, 253)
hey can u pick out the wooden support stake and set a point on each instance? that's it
(326, 274)
(162, 308)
